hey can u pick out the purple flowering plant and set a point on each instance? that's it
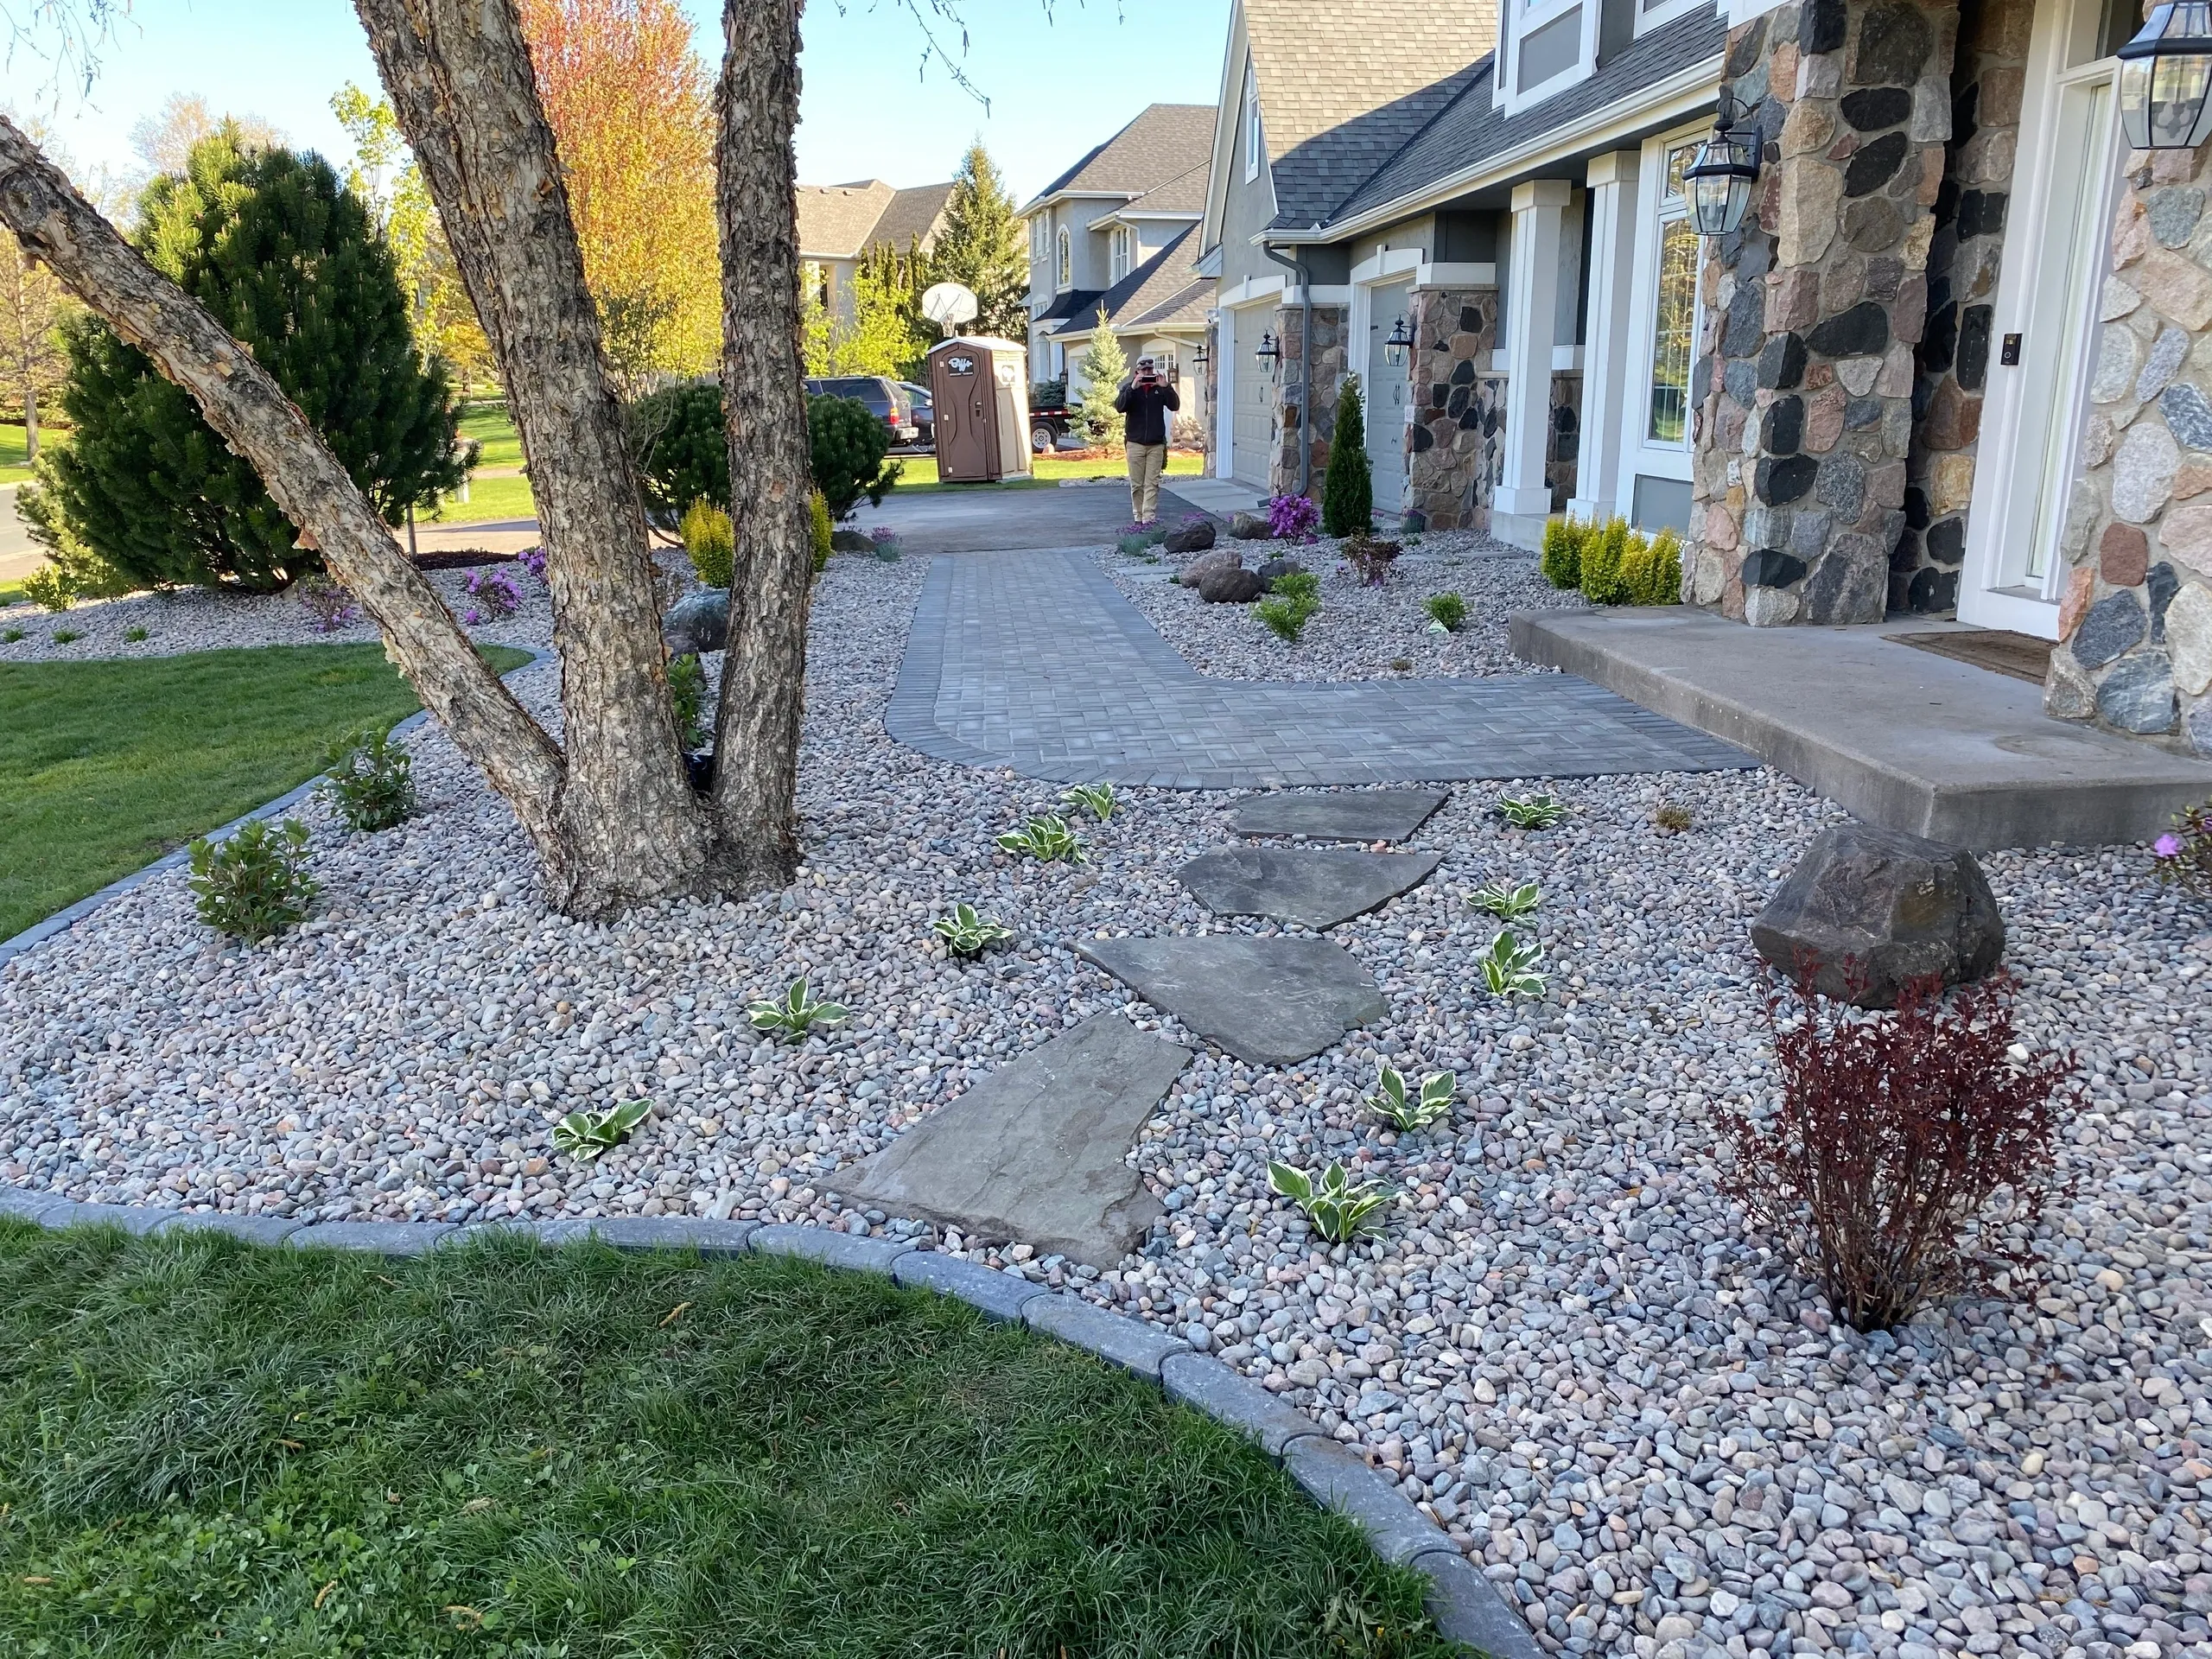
(2183, 856)
(532, 559)
(1293, 518)
(328, 605)
(494, 592)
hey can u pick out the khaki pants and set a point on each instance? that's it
(1147, 461)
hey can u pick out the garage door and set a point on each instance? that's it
(1256, 403)
(1386, 399)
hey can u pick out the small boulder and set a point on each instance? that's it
(850, 541)
(1275, 567)
(1231, 585)
(1203, 566)
(1248, 526)
(698, 622)
(1193, 537)
(1869, 911)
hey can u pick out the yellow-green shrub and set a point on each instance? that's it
(819, 509)
(1651, 570)
(1604, 548)
(711, 542)
(1562, 564)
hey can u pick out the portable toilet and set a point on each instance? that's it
(981, 390)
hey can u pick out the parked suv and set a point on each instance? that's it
(883, 397)
(924, 408)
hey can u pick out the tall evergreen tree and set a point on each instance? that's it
(1348, 489)
(1104, 367)
(981, 245)
(287, 260)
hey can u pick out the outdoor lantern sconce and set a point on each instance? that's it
(1400, 342)
(1202, 356)
(1718, 181)
(1270, 354)
(2165, 74)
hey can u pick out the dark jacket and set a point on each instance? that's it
(1148, 408)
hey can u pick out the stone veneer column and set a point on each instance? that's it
(1612, 181)
(1813, 309)
(1448, 456)
(1523, 500)
(1329, 367)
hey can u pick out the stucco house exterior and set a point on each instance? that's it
(1952, 363)
(1115, 228)
(840, 224)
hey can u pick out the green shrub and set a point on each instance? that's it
(1651, 569)
(45, 588)
(818, 521)
(682, 451)
(10, 636)
(687, 690)
(135, 636)
(371, 782)
(846, 445)
(63, 637)
(1297, 596)
(711, 542)
(1449, 611)
(1603, 551)
(1347, 490)
(290, 261)
(255, 885)
(1562, 564)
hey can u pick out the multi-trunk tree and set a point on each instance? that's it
(608, 808)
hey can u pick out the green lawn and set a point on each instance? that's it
(104, 766)
(488, 423)
(14, 469)
(216, 1451)
(920, 471)
(489, 498)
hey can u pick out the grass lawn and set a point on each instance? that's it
(11, 593)
(209, 1449)
(920, 472)
(104, 766)
(488, 423)
(14, 469)
(489, 498)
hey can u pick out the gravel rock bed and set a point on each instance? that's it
(1360, 633)
(1563, 1343)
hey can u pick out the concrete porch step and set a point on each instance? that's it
(1897, 736)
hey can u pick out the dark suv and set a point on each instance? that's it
(883, 398)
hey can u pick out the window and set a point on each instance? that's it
(1117, 243)
(1064, 272)
(1040, 241)
(1550, 46)
(1674, 312)
(1251, 121)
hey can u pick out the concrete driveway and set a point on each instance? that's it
(981, 518)
(19, 554)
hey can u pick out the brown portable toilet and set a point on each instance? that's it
(980, 388)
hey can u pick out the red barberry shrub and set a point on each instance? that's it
(1913, 1154)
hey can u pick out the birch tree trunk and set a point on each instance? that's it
(764, 672)
(458, 75)
(245, 405)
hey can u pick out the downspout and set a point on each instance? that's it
(1305, 368)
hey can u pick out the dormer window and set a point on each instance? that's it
(1549, 46)
(1251, 122)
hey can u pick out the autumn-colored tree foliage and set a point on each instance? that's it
(629, 103)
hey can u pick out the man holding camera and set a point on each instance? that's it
(1147, 400)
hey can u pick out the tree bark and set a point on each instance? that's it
(460, 78)
(764, 672)
(245, 405)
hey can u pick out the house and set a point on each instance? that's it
(839, 224)
(1115, 229)
(1948, 365)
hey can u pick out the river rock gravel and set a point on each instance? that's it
(1562, 1343)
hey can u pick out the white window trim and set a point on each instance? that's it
(1120, 251)
(1640, 454)
(1063, 261)
(1512, 31)
(1661, 15)
(1253, 133)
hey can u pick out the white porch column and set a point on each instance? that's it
(1522, 502)
(1612, 180)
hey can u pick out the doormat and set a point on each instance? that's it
(2020, 655)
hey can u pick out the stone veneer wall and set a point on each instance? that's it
(1562, 454)
(2136, 621)
(1963, 258)
(1813, 309)
(1211, 441)
(1329, 367)
(1452, 457)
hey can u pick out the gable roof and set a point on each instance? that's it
(1164, 142)
(1183, 193)
(1331, 116)
(842, 221)
(1162, 292)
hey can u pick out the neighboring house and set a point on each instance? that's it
(1955, 362)
(839, 225)
(1115, 229)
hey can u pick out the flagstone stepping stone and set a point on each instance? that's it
(1314, 888)
(1345, 815)
(1266, 1001)
(1038, 1150)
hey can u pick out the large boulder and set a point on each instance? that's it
(1231, 585)
(1192, 537)
(698, 622)
(850, 541)
(1206, 563)
(1866, 911)
(1275, 567)
(1247, 526)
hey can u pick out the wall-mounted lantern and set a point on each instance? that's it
(2165, 74)
(1718, 181)
(1270, 353)
(1397, 344)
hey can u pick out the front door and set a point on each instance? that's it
(1254, 390)
(1388, 306)
(962, 389)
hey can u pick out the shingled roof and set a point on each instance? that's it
(1162, 292)
(1333, 114)
(842, 221)
(1164, 142)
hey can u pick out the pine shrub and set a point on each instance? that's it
(681, 447)
(1651, 569)
(711, 542)
(1562, 564)
(848, 445)
(1347, 490)
(1602, 549)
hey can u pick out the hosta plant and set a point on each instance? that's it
(967, 931)
(1045, 837)
(1413, 1110)
(586, 1136)
(371, 782)
(255, 885)
(1098, 800)
(1507, 904)
(793, 1015)
(1339, 1207)
(1538, 811)
(1512, 967)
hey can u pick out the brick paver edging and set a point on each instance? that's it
(1464, 1603)
(62, 920)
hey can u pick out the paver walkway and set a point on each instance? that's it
(1034, 660)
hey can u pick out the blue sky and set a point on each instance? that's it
(870, 106)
